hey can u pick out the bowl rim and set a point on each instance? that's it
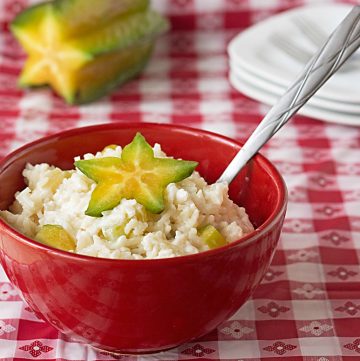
(244, 241)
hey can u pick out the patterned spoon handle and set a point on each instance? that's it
(339, 46)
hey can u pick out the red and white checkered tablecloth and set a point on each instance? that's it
(308, 306)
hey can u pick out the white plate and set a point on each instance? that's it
(315, 112)
(254, 50)
(278, 90)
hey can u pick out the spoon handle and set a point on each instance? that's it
(339, 46)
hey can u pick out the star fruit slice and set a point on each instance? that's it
(55, 236)
(136, 175)
(212, 237)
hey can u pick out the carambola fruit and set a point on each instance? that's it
(55, 236)
(212, 237)
(136, 175)
(83, 49)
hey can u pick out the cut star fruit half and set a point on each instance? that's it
(84, 49)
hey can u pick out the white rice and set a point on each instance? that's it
(54, 196)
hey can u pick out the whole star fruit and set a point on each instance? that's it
(211, 236)
(55, 236)
(138, 175)
(84, 49)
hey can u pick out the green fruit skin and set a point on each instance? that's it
(30, 17)
(79, 18)
(122, 33)
(88, 93)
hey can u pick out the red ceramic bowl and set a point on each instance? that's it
(139, 306)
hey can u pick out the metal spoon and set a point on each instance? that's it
(340, 45)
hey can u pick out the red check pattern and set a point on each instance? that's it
(308, 305)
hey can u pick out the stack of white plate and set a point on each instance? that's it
(262, 67)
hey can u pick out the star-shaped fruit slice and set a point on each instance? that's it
(138, 175)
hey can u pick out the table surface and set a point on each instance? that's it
(308, 305)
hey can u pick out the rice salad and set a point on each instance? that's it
(55, 196)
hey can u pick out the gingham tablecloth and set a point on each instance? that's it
(308, 305)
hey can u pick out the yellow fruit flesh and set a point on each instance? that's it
(55, 236)
(212, 237)
(110, 146)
